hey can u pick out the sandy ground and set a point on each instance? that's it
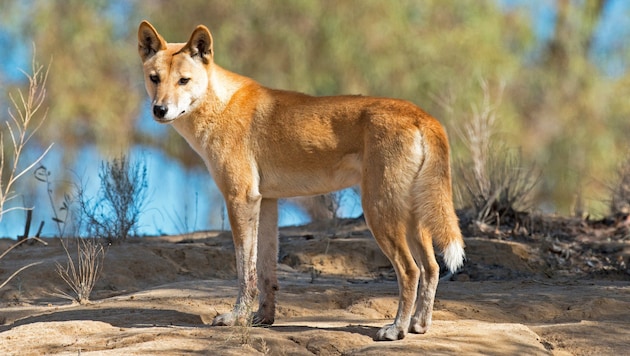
(156, 296)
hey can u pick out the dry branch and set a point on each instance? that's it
(20, 131)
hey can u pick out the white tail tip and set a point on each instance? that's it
(454, 256)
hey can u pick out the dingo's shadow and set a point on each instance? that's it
(118, 317)
(354, 329)
(142, 318)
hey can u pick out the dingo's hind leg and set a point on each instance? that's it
(389, 227)
(421, 244)
(407, 274)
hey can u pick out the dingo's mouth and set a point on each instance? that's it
(167, 120)
(163, 120)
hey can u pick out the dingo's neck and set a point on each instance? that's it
(198, 126)
(224, 84)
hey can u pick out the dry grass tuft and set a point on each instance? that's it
(81, 276)
(493, 180)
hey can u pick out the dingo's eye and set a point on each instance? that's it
(154, 78)
(184, 81)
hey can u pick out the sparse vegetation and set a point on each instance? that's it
(113, 214)
(620, 200)
(263, 347)
(334, 202)
(81, 276)
(243, 330)
(326, 210)
(492, 180)
(26, 118)
(62, 215)
(506, 189)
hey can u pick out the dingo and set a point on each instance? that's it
(262, 144)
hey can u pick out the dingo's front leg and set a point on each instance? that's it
(267, 262)
(244, 215)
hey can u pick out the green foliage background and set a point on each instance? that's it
(557, 105)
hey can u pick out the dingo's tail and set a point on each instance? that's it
(454, 255)
(434, 198)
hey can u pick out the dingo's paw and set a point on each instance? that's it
(416, 328)
(227, 319)
(390, 333)
(258, 319)
(232, 319)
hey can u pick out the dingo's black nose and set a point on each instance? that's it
(159, 111)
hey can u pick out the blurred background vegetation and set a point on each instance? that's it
(556, 71)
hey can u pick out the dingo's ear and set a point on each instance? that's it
(149, 41)
(200, 44)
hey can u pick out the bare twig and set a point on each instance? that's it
(23, 268)
(16, 273)
(21, 242)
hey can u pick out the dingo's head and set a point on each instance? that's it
(176, 75)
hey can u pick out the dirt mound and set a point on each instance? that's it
(157, 294)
